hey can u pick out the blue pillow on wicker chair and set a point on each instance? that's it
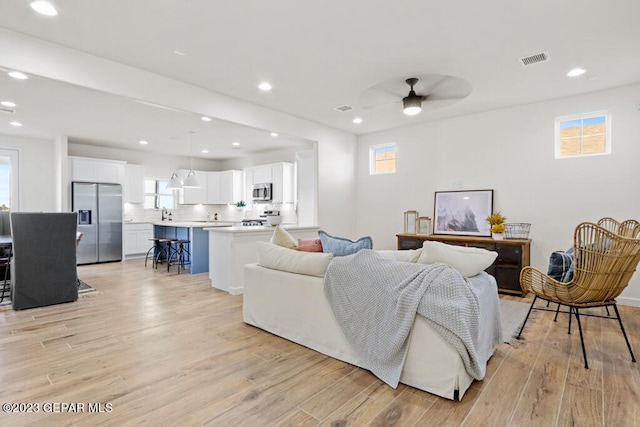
(561, 265)
(340, 246)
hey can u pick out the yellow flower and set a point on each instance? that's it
(496, 218)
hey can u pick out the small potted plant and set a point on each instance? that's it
(240, 205)
(496, 223)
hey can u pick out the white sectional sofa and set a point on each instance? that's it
(288, 300)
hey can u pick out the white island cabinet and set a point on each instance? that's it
(231, 248)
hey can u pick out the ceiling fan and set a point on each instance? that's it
(412, 103)
(432, 90)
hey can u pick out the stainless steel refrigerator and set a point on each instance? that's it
(99, 208)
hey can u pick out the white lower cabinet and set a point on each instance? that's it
(136, 239)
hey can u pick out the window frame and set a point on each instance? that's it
(157, 194)
(372, 158)
(583, 116)
(14, 176)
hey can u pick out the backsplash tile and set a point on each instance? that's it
(137, 213)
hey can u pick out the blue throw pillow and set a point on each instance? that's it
(561, 265)
(339, 246)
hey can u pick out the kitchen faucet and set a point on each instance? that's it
(164, 213)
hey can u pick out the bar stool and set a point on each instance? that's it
(158, 250)
(178, 254)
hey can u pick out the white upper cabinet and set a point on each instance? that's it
(216, 188)
(213, 188)
(86, 169)
(279, 174)
(262, 174)
(194, 196)
(282, 175)
(230, 187)
(133, 184)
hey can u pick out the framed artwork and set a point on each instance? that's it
(463, 212)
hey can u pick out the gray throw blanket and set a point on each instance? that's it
(375, 300)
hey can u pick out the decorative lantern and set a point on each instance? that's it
(423, 225)
(410, 218)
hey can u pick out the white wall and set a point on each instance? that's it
(512, 152)
(39, 172)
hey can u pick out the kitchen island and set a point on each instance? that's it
(230, 248)
(192, 231)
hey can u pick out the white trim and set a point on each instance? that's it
(634, 302)
(14, 158)
(372, 158)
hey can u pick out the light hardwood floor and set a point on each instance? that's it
(166, 350)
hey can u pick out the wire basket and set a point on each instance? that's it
(517, 230)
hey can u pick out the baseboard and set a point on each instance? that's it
(634, 302)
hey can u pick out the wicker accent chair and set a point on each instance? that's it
(603, 264)
(628, 228)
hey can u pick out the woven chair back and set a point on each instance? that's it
(609, 224)
(628, 228)
(604, 262)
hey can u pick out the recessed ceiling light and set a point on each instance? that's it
(235, 145)
(265, 86)
(18, 75)
(44, 8)
(205, 151)
(142, 142)
(8, 103)
(206, 119)
(576, 72)
(179, 53)
(274, 134)
(357, 120)
(16, 124)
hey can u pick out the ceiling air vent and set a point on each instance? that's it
(4, 109)
(344, 108)
(534, 59)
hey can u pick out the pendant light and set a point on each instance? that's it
(191, 181)
(175, 183)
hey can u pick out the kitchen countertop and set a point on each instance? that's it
(195, 224)
(261, 229)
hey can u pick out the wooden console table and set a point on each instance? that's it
(513, 255)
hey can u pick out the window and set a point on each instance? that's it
(157, 195)
(583, 135)
(9, 180)
(382, 159)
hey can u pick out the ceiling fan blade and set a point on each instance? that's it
(374, 97)
(451, 97)
(430, 86)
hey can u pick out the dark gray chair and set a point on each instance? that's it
(5, 223)
(43, 268)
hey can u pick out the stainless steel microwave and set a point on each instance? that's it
(261, 192)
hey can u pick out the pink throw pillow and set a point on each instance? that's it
(310, 245)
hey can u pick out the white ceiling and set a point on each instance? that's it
(317, 56)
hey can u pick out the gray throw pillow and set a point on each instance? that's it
(561, 265)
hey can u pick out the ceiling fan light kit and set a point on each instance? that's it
(412, 103)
